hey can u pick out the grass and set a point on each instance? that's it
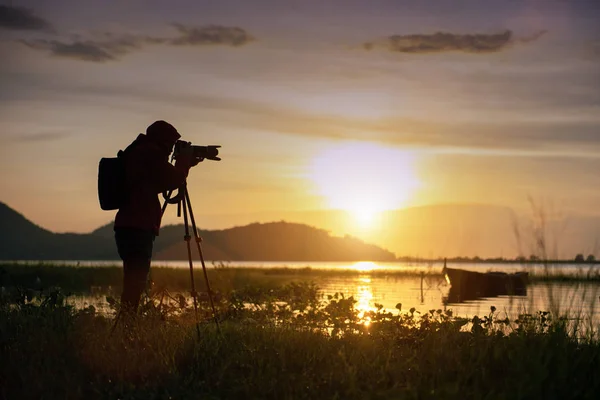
(286, 343)
(278, 339)
(82, 279)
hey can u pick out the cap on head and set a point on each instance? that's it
(162, 131)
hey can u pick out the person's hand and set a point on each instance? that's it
(185, 156)
(186, 152)
(196, 161)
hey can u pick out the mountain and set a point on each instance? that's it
(454, 230)
(23, 240)
(448, 230)
(276, 241)
(445, 230)
(279, 241)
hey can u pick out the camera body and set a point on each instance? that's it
(199, 153)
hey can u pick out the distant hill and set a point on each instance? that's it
(276, 241)
(279, 241)
(23, 240)
(452, 230)
(447, 230)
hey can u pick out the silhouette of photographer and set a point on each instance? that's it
(148, 173)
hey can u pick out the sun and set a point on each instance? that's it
(364, 217)
(364, 179)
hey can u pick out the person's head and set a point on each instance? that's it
(163, 134)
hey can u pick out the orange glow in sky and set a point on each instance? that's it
(411, 125)
(364, 178)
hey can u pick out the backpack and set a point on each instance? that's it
(112, 184)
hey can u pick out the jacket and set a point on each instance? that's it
(147, 173)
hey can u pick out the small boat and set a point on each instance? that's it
(469, 285)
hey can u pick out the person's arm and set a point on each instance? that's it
(167, 176)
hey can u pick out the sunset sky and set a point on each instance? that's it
(364, 106)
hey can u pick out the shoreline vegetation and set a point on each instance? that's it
(578, 260)
(82, 278)
(412, 260)
(277, 339)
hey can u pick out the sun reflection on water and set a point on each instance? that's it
(364, 266)
(364, 296)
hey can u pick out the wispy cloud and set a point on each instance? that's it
(108, 49)
(532, 38)
(547, 136)
(111, 47)
(20, 18)
(446, 42)
(552, 128)
(210, 35)
(40, 137)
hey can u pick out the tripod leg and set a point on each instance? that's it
(189, 251)
(198, 240)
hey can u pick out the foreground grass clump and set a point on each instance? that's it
(287, 343)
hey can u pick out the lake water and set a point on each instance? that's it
(429, 292)
(366, 266)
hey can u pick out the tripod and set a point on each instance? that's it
(183, 202)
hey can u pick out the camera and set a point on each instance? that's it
(199, 153)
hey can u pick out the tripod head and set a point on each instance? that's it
(177, 199)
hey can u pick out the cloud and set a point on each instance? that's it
(445, 42)
(499, 134)
(20, 18)
(41, 137)
(533, 37)
(110, 47)
(210, 35)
